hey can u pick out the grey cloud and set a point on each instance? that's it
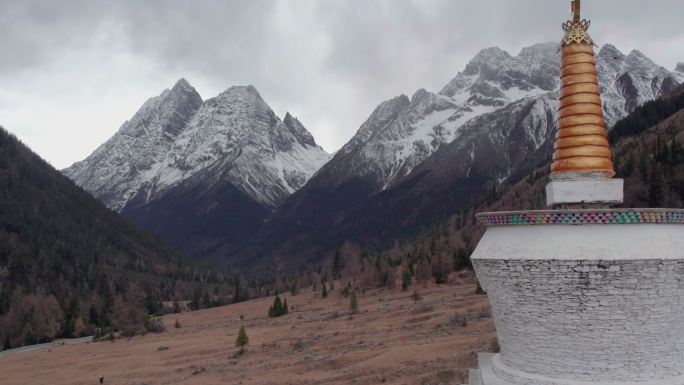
(329, 61)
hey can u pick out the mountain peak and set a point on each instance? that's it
(244, 96)
(419, 95)
(395, 104)
(248, 89)
(298, 130)
(182, 83)
(636, 53)
(486, 58)
(679, 67)
(182, 89)
(609, 51)
(492, 53)
(381, 117)
(539, 50)
(637, 57)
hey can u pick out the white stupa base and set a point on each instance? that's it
(491, 371)
(584, 297)
(584, 191)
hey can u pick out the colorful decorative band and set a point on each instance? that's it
(582, 217)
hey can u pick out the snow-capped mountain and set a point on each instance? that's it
(416, 160)
(127, 162)
(226, 178)
(202, 175)
(175, 136)
(628, 81)
(402, 133)
(389, 149)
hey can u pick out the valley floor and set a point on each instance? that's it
(393, 340)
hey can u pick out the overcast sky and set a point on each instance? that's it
(71, 72)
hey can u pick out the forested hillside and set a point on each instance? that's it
(68, 264)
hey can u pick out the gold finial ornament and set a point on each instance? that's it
(581, 142)
(576, 29)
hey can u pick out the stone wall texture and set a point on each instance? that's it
(588, 319)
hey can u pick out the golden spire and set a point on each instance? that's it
(581, 142)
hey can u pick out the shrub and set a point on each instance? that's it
(155, 325)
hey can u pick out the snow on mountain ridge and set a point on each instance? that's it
(123, 164)
(236, 134)
(492, 80)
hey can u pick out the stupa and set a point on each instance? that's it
(583, 293)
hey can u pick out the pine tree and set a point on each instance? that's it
(278, 308)
(242, 339)
(405, 280)
(324, 291)
(285, 308)
(461, 259)
(94, 317)
(657, 188)
(237, 297)
(195, 301)
(206, 300)
(644, 165)
(353, 303)
(337, 264)
(424, 271)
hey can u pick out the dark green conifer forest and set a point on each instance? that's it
(69, 265)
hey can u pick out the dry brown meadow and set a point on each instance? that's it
(392, 340)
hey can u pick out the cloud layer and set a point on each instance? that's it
(73, 71)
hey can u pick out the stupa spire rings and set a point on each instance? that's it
(581, 147)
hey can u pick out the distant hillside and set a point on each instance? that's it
(68, 264)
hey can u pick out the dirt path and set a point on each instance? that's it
(31, 348)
